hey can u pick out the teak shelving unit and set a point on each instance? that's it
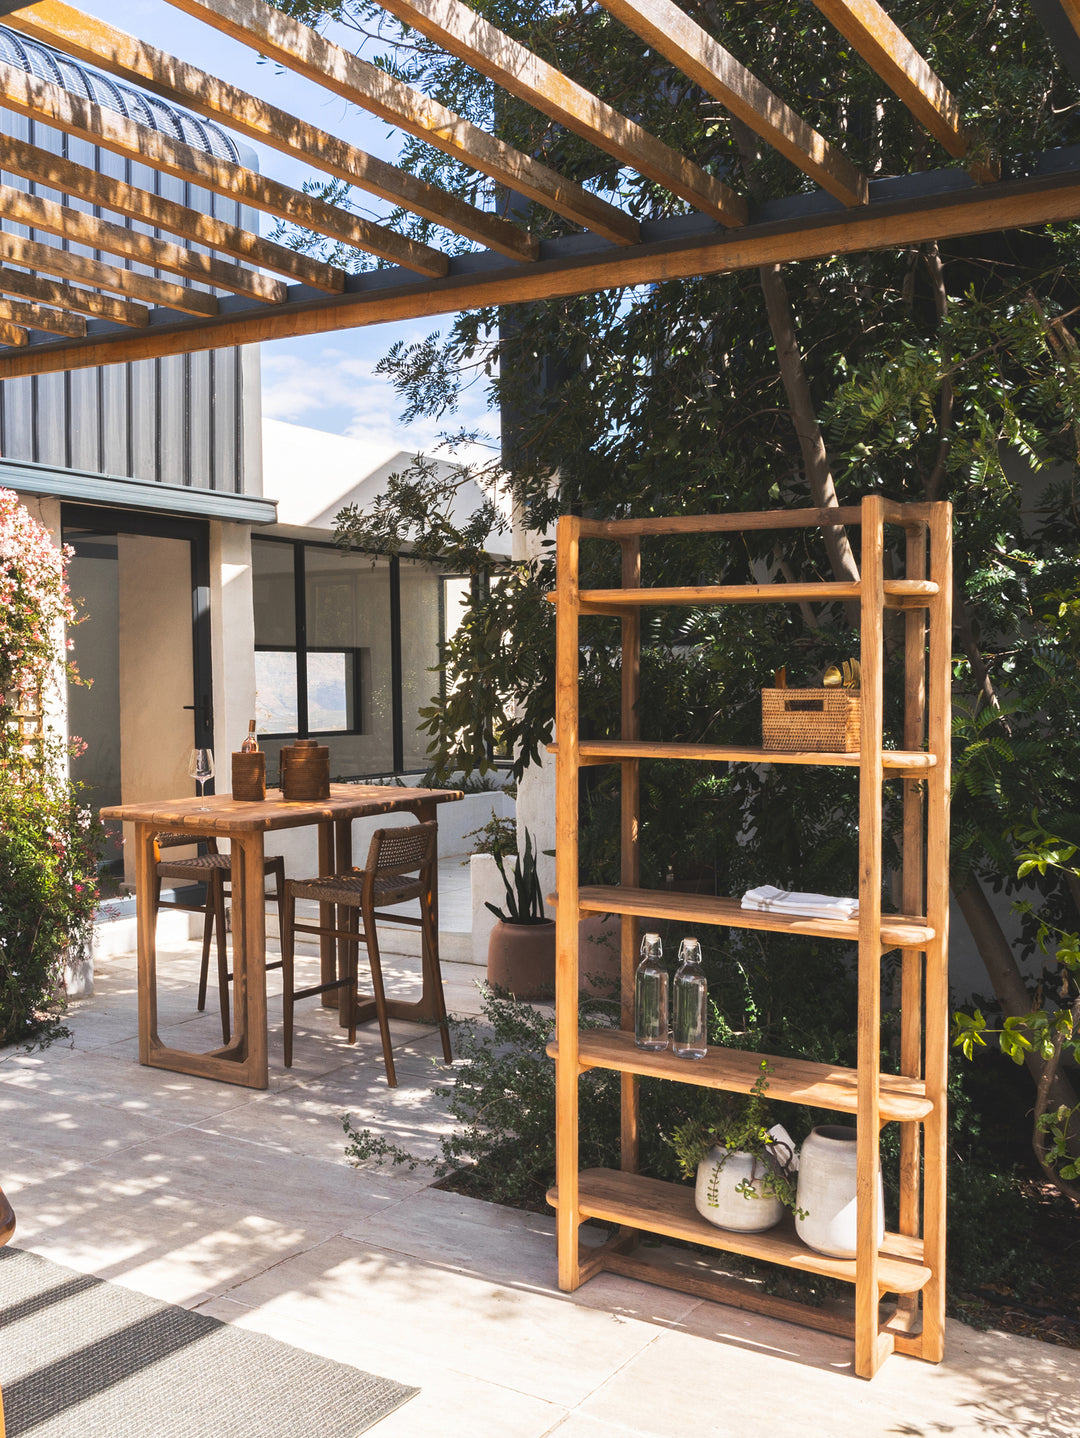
(910, 1263)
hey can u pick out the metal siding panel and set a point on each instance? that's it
(173, 465)
(84, 398)
(199, 422)
(115, 458)
(51, 420)
(226, 474)
(18, 419)
(144, 420)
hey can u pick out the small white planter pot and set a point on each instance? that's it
(717, 1198)
(79, 970)
(827, 1165)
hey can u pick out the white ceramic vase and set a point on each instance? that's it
(827, 1170)
(717, 1198)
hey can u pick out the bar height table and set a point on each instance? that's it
(243, 1060)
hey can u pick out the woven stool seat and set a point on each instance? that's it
(347, 888)
(185, 868)
(400, 866)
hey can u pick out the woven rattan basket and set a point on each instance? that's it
(819, 721)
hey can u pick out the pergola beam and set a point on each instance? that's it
(40, 100)
(691, 49)
(96, 43)
(891, 55)
(463, 33)
(40, 317)
(52, 260)
(67, 297)
(299, 48)
(83, 229)
(13, 335)
(45, 168)
(376, 299)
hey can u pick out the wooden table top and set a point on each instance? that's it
(222, 814)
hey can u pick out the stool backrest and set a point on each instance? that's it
(406, 850)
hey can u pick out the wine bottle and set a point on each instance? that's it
(250, 744)
(651, 996)
(690, 1000)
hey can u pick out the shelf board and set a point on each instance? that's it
(737, 1071)
(613, 750)
(612, 601)
(898, 931)
(633, 1201)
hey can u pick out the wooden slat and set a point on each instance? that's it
(719, 523)
(13, 335)
(308, 53)
(83, 229)
(465, 34)
(38, 99)
(673, 34)
(20, 158)
(871, 927)
(890, 54)
(69, 297)
(620, 750)
(939, 697)
(1008, 206)
(567, 559)
(101, 45)
(629, 838)
(737, 1071)
(916, 592)
(41, 317)
(898, 931)
(55, 261)
(668, 1208)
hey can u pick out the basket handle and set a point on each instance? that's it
(804, 706)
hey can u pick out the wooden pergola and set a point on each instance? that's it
(60, 310)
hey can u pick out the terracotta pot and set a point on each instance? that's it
(521, 959)
(599, 960)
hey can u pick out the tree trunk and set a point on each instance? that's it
(815, 456)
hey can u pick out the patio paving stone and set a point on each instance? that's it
(243, 1204)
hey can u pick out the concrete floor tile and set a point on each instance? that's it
(535, 1344)
(449, 1404)
(72, 1123)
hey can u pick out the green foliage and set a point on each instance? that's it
(737, 1124)
(497, 836)
(524, 898)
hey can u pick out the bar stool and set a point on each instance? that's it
(215, 870)
(400, 866)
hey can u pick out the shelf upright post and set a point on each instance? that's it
(871, 1347)
(630, 861)
(567, 662)
(937, 917)
(912, 896)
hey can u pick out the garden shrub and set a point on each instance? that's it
(49, 842)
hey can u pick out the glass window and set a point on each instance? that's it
(327, 662)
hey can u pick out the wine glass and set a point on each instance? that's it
(201, 768)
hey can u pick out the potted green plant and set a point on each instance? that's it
(521, 949)
(744, 1172)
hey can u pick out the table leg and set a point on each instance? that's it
(327, 919)
(249, 953)
(342, 861)
(244, 1059)
(428, 1007)
(146, 924)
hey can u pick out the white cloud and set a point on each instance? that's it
(332, 385)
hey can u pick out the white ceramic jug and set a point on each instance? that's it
(827, 1192)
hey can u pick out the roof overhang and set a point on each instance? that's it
(117, 493)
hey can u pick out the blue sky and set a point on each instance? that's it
(325, 381)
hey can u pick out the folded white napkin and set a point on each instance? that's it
(813, 906)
